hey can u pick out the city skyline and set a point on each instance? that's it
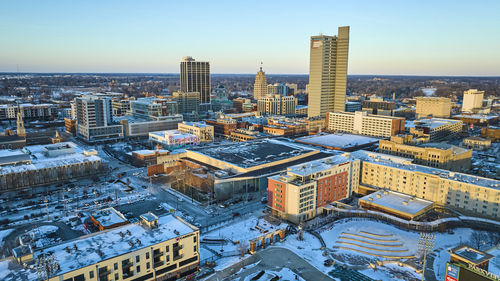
(388, 37)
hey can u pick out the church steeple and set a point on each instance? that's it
(20, 124)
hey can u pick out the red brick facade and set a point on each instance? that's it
(276, 193)
(331, 189)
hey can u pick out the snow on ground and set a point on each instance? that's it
(45, 229)
(284, 274)
(4, 269)
(494, 266)
(3, 234)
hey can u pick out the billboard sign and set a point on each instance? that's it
(451, 272)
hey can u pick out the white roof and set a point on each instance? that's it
(112, 244)
(397, 201)
(337, 140)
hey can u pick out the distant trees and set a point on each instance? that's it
(483, 240)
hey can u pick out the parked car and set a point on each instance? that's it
(328, 262)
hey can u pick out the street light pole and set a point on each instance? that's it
(425, 244)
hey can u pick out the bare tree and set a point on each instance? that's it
(478, 239)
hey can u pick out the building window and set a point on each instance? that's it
(116, 276)
(91, 274)
(194, 248)
(137, 258)
(138, 269)
(167, 249)
(147, 265)
(147, 255)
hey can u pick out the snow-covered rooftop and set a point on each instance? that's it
(315, 166)
(109, 217)
(342, 141)
(397, 201)
(115, 242)
(432, 123)
(69, 154)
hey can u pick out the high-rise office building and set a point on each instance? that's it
(276, 105)
(328, 73)
(195, 77)
(433, 106)
(260, 85)
(94, 121)
(473, 100)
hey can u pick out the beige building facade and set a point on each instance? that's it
(328, 73)
(276, 105)
(433, 106)
(161, 248)
(477, 195)
(204, 132)
(362, 123)
(447, 157)
(260, 85)
(473, 101)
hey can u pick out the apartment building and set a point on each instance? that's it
(94, 121)
(433, 106)
(276, 105)
(156, 248)
(435, 129)
(362, 123)
(297, 194)
(152, 107)
(204, 132)
(44, 111)
(121, 106)
(437, 155)
(480, 196)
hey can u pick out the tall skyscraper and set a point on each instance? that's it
(195, 77)
(94, 121)
(328, 72)
(260, 85)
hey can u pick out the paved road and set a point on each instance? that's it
(275, 259)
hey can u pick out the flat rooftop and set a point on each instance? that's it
(337, 141)
(115, 242)
(253, 153)
(446, 146)
(39, 160)
(405, 164)
(108, 217)
(196, 124)
(431, 123)
(172, 133)
(470, 254)
(315, 166)
(399, 202)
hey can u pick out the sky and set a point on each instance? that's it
(399, 37)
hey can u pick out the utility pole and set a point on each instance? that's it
(425, 244)
(47, 208)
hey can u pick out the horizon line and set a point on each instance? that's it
(267, 74)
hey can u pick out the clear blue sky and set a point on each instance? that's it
(387, 37)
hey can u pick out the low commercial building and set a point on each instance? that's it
(437, 129)
(481, 120)
(301, 110)
(12, 142)
(379, 107)
(438, 155)
(173, 139)
(491, 132)
(477, 195)
(433, 106)
(148, 157)
(156, 248)
(108, 218)
(139, 127)
(477, 143)
(247, 135)
(352, 106)
(397, 204)
(362, 123)
(343, 142)
(48, 164)
(223, 127)
(297, 194)
(204, 132)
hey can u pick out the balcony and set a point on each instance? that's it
(176, 257)
(156, 254)
(158, 263)
(127, 264)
